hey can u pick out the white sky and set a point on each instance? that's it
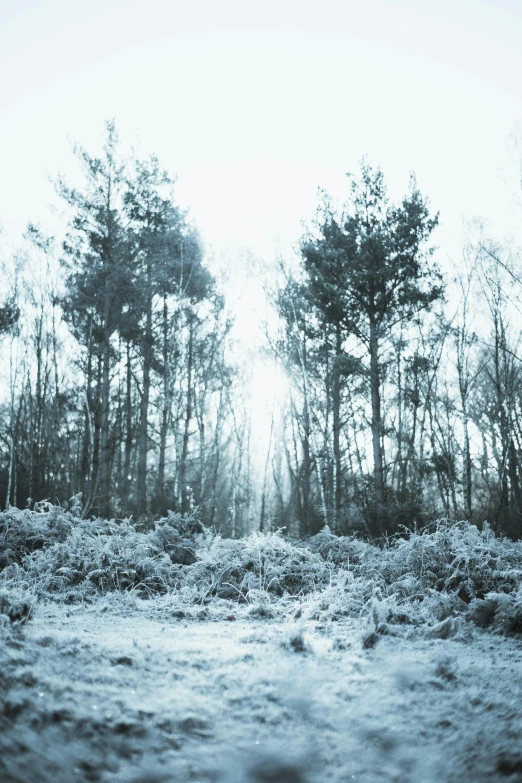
(256, 104)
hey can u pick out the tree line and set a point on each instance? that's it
(406, 400)
(121, 383)
(121, 354)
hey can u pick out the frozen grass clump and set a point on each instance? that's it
(99, 556)
(16, 604)
(426, 578)
(230, 568)
(343, 551)
(29, 530)
(344, 596)
(454, 557)
(176, 534)
(62, 553)
(500, 611)
(434, 575)
(295, 641)
(188, 525)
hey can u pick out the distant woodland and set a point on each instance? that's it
(120, 378)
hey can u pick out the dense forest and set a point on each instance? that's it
(121, 380)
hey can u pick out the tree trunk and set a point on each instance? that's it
(398, 482)
(143, 437)
(216, 454)
(307, 462)
(412, 436)
(503, 511)
(312, 443)
(128, 426)
(467, 463)
(36, 488)
(360, 493)
(336, 413)
(265, 472)
(164, 426)
(183, 489)
(104, 504)
(377, 429)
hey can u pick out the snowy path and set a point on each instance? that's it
(133, 698)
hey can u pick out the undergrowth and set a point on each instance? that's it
(427, 576)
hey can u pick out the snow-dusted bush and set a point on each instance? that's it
(28, 530)
(454, 557)
(63, 554)
(101, 556)
(345, 551)
(232, 568)
(425, 577)
(175, 535)
(501, 611)
(16, 604)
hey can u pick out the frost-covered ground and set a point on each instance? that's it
(107, 692)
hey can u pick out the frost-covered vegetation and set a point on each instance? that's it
(121, 646)
(427, 576)
(172, 654)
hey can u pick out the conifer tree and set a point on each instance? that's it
(98, 261)
(367, 270)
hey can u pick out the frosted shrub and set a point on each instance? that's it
(501, 611)
(344, 596)
(176, 539)
(232, 568)
(184, 524)
(25, 531)
(16, 604)
(100, 558)
(429, 576)
(454, 557)
(344, 551)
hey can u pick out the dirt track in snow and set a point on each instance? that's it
(94, 695)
